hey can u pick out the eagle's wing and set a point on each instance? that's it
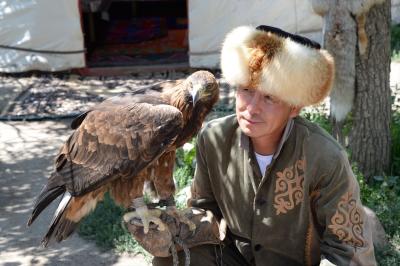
(115, 141)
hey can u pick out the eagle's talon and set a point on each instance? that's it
(180, 216)
(146, 216)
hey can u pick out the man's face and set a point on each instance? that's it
(261, 115)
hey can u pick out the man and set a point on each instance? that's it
(283, 185)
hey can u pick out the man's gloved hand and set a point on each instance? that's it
(158, 243)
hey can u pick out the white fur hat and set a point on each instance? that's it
(290, 67)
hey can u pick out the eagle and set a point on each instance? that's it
(119, 145)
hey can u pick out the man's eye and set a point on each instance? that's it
(245, 90)
(270, 99)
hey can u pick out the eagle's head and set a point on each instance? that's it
(200, 93)
(203, 88)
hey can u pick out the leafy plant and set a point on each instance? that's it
(185, 165)
(104, 227)
(390, 255)
(395, 131)
(184, 172)
(319, 118)
(383, 197)
(395, 42)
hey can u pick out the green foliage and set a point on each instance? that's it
(185, 164)
(382, 195)
(395, 152)
(395, 42)
(321, 119)
(390, 255)
(184, 172)
(104, 227)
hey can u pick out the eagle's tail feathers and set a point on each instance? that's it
(47, 195)
(60, 227)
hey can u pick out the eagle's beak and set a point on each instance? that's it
(196, 94)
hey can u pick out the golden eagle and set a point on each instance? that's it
(121, 143)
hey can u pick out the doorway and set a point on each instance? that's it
(123, 33)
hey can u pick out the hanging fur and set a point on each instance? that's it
(344, 31)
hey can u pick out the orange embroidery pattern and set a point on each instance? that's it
(347, 222)
(289, 187)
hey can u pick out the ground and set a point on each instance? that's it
(26, 154)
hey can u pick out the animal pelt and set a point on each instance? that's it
(344, 32)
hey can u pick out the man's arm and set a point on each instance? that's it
(346, 237)
(202, 194)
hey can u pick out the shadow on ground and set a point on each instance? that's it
(27, 151)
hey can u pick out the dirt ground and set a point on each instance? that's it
(27, 150)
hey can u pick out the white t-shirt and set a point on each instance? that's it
(263, 161)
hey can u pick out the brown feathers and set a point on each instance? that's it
(120, 144)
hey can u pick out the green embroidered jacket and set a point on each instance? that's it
(305, 208)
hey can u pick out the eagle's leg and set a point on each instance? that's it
(178, 214)
(145, 215)
(163, 181)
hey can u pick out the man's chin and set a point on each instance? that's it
(249, 131)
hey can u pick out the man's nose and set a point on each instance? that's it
(254, 103)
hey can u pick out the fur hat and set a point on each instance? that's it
(290, 67)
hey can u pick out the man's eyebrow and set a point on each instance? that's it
(273, 98)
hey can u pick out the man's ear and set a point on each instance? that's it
(295, 111)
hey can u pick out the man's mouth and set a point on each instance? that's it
(251, 120)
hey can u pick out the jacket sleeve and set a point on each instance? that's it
(202, 193)
(346, 234)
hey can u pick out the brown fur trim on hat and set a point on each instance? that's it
(295, 73)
